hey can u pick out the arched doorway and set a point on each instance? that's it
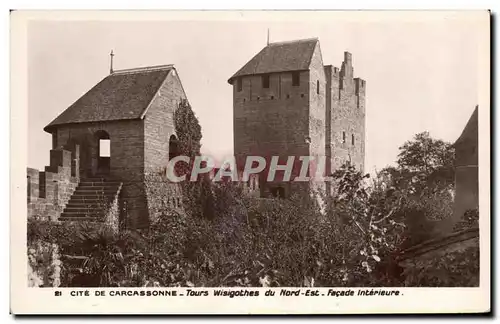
(173, 147)
(278, 192)
(103, 152)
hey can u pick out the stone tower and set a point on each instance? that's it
(133, 111)
(287, 103)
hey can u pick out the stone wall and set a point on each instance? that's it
(346, 113)
(126, 161)
(126, 146)
(49, 191)
(324, 116)
(159, 122)
(272, 121)
(162, 195)
(448, 261)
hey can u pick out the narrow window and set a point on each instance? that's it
(295, 79)
(343, 137)
(173, 147)
(352, 139)
(239, 84)
(56, 193)
(29, 188)
(317, 87)
(265, 81)
(54, 140)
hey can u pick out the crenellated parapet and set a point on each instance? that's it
(49, 191)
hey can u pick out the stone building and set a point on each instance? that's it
(107, 142)
(466, 169)
(286, 102)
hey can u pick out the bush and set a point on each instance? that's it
(455, 269)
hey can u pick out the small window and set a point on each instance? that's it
(317, 87)
(239, 84)
(352, 139)
(104, 148)
(29, 188)
(295, 79)
(343, 137)
(265, 81)
(54, 140)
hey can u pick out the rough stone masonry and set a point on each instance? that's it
(286, 102)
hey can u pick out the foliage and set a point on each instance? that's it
(44, 266)
(228, 239)
(470, 219)
(454, 269)
(426, 160)
(196, 194)
(424, 175)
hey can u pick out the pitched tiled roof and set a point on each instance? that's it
(279, 57)
(124, 94)
(470, 132)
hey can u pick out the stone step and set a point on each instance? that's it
(79, 219)
(87, 205)
(78, 209)
(88, 202)
(102, 193)
(98, 180)
(96, 214)
(94, 186)
(92, 197)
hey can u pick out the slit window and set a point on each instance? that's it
(317, 87)
(104, 148)
(265, 81)
(352, 139)
(295, 79)
(239, 84)
(343, 137)
(54, 140)
(29, 188)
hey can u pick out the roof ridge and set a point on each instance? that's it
(294, 41)
(143, 69)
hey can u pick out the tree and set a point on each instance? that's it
(424, 174)
(197, 195)
(425, 161)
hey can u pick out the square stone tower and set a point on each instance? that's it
(287, 103)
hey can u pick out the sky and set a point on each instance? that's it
(421, 72)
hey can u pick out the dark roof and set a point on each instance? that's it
(122, 95)
(470, 132)
(279, 57)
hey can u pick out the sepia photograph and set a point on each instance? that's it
(251, 154)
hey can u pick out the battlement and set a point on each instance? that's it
(48, 191)
(359, 86)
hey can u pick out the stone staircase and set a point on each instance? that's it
(92, 200)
